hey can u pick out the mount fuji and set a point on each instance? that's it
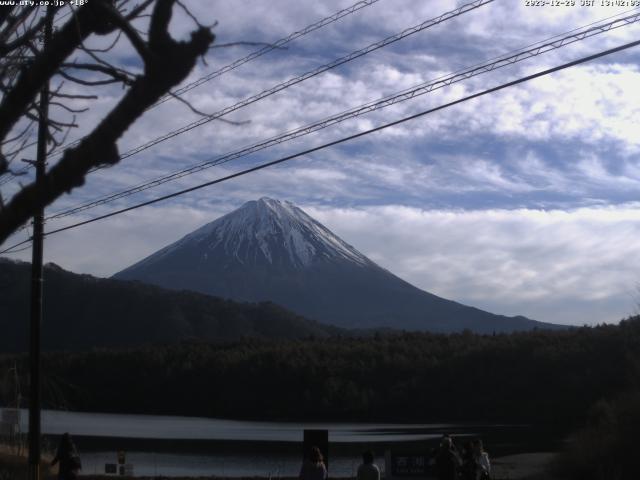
(272, 250)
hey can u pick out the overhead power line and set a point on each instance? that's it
(9, 177)
(310, 74)
(344, 139)
(12, 249)
(422, 89)
(252, 56)
(296, 80)
(277, 44)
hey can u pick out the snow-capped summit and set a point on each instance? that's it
(261, 232)
(271, 231)
(270, 250)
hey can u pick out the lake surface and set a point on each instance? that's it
(189, 446)
(196, 428)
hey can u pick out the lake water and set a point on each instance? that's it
(189, 446)
(195, 428)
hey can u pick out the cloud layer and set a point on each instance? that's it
(522, 202)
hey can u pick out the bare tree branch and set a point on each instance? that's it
(13, 23)
(115, 73)
(19, 135)
(74, 96)
(87, 83)
(23, 39)
(168, 64)
(69, 109)
(135, 13)
(126, 27)
(46, 63)
(203, 114)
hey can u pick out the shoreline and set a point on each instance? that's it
(521, 466)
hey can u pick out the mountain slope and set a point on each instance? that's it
(272, 250)
(83, 312)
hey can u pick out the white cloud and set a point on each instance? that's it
(587, 105)
(551, 265)
(578, 266)
(574, 267)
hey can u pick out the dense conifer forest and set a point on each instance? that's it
(538, 377)
(81, 312)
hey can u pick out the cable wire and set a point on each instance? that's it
(299, 79)
(293, 81)
(310, 74)
(405, 95)
(349, 138)
(277, 44)
(252, 56)
(8, 177)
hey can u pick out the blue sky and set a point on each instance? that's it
(522, 202)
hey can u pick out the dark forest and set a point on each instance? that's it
(541, 377)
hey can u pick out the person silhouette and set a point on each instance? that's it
(68, 459)
(368, 470)
(447, 460)
(313, 468)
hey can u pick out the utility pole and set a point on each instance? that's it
(36, 275)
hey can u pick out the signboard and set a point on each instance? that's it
(404, 465)
(316, 438)
(120, 468)
(400, 465)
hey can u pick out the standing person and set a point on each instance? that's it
(68, 458)
(313, 468)
(482, 460)
(447, 459)
(469, 469)
(368, 470)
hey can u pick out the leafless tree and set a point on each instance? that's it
(26, 64)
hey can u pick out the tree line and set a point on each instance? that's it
(542, 377)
